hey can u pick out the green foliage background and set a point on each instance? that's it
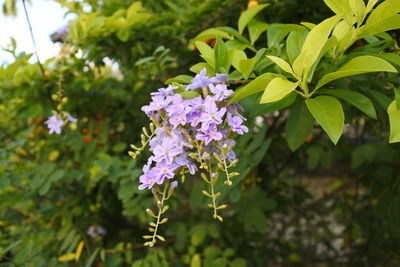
(54, 187)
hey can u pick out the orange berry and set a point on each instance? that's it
(96, 131)
(85, 130)
(309, 139)
(252, 3)
(212, 42)
(87, 138)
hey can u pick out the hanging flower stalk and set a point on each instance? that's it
(191, 130)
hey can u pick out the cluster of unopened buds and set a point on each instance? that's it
(191, 130)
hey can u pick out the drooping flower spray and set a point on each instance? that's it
(191, 131)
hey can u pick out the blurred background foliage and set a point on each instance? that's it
(323, 204)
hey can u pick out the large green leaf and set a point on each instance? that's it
(277, 89)
(386, 9)
(394, 119)
(387, 24)
(313, 45)
(256, 28)
(220, 56)
(246, 16)
(358, 65)
(294, 42)
(329, 114)
(299, 125)
(255, 86)
(358, 100)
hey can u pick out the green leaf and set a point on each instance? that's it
(275, 106)
(382, 99)
(199, 66)
(397, 97)
(246, 66)
(358, 100)
(359, 9)
(255, 86)
(220, 56)
(246, 16)
(195, 261)
(299, 125)
(277, 89)
(92, 258)
(256, 28)
(386, 9)
(237, 56)
(329, 114)
(209, 34)
(189, 94)
(394, 120)
(294, 42)
(358, 65)
(207, 53)
(313, 45)
(185, 79)
(281, 63)
(387, 24)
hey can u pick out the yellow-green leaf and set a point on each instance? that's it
(67, 257)
(328, 112)
(246, 16)
(358, 65)
(281, 63)
(79, 250)
(207, 53)
(255, 86)
(394, 120)
(277, 89)
(313, 45)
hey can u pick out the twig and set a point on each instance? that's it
(33, 38)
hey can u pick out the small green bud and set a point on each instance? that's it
(164, 220)
(161, 238)
(54, 97)
(59, 107)
(64, 100)
(151, 213)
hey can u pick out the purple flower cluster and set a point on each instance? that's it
(200, 123)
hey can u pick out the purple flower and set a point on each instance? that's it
(165, 91)
(94, 231)
(158, 102)
(220, 78)
(211, 114)
(71, 119)
(178, 119)
(220, 91)
(194, 118)
(148, 179)
(236, 124)
(199, 81)
(178, 106)
(184, 161)
(174, 184)
(54, 124)
(210, 134)
(166, 151)
(163, 171)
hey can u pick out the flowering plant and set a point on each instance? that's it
(191, 129)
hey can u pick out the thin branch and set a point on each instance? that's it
(33, 37)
